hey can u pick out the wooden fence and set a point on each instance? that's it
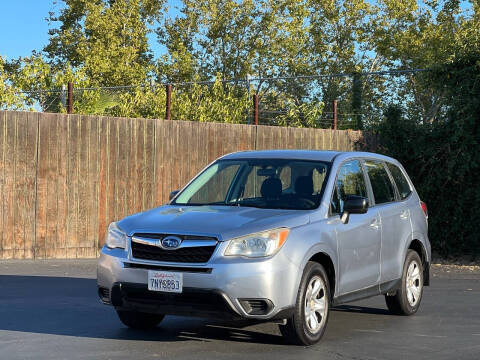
(64, 178)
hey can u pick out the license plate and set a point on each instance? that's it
(165, 281)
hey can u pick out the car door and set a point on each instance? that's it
(359, 240)
(395, 217)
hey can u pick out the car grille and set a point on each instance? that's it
(197, 254)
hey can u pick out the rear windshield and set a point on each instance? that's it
(263, 183)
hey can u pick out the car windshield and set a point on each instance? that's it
(263, 183)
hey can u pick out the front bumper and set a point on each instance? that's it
(191, 302)
(216, 289)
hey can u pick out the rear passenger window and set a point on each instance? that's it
(383, 190)
(400, 180)
(350, 181)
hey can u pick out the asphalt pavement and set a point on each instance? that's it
(50, 310)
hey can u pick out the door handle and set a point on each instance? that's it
(374, 224)
(404, 215)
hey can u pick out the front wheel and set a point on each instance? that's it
(139, 320)
(308, 323)
(407, 299)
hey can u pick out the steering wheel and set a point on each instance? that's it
(307, 203)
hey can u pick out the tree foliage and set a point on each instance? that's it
(443, 158)
(10, 98)
(236, 38)
(419, 35)
(107, 38)
(105, 43)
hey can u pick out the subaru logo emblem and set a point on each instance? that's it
(170, 242)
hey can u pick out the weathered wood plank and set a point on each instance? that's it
(61, 186)
(177, 156)
(112, 160)
(122, 168)
(128, 147)
(9, 186)
(102, 222)
(92, 183)
(72, 184)
(51, 149)
(42, 186)
(3, 121)
(158, 163)
(166, 173)
(19, 173)
(139, 165)
(149, 163)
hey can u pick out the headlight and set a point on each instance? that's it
(260, 244)
(116, 238)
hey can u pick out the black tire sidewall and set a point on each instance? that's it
(406, 307)
(304, 334)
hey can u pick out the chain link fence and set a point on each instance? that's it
(339, 101)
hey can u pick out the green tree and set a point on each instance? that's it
(419, 35)
(10, 98)
(27, 84)
(237, 38)
(107, 39)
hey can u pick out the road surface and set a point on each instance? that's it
(50, 310)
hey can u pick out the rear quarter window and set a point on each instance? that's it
(403, 186)
(383, 190)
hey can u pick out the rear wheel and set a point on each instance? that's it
(406, 300)
(307, 325)
(139, 320)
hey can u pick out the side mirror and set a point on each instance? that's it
(173, 194)
(354, 205)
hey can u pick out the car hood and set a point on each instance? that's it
(224, 222)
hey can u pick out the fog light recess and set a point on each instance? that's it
(256, 306)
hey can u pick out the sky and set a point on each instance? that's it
(24, 28)
(20, 34)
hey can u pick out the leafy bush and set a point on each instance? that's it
(443, 157)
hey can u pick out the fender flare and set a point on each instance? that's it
(420, 238)
(317, 249)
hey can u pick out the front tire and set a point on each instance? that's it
(407, 299)
(139, 320)
(308, 323)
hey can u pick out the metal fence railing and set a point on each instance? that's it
(337, 101)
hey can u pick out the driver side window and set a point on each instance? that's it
(350, 181)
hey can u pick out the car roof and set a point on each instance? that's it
(318, 155)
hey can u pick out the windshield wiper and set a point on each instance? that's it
(259, 206)
(221, 203)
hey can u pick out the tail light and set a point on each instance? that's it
(424, 208)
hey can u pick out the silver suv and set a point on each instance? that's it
(279, 235)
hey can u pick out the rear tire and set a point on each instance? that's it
(406, 300)
(310, 318)
(139, 320)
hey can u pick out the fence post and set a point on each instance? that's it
(70, 98)
(255, 109)
(357, 90)
(335, 114)
(168, 90)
